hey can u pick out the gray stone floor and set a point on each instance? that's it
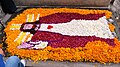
(69, 64)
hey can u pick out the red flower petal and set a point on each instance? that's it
(49, 27)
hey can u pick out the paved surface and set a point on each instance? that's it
(68, 64)
(62, 2)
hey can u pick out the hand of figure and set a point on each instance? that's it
(1, 52)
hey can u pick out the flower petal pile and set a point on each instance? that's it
(62, 47)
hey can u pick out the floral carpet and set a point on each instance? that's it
(56, 25)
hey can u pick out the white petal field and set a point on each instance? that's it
(98, 28)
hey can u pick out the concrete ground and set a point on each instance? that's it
(68, 64)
